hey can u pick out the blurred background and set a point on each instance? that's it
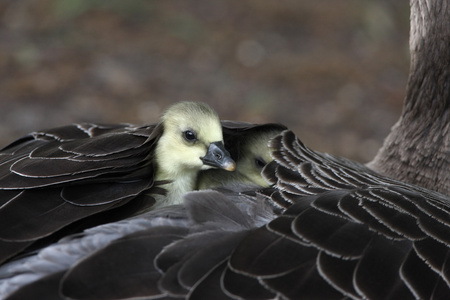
(333, 71)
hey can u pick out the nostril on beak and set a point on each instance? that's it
(217, 156)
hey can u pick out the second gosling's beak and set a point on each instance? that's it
(217, 156)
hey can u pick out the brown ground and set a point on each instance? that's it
(333, 71)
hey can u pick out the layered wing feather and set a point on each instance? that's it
(54, 178)
(343, 231)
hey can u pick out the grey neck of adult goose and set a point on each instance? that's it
(191, 141)
(418, 148)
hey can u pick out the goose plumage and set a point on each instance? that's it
(329, 228)
(72, 175)
(418, 148)
(326, 228)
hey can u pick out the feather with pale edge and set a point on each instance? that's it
(371, 238)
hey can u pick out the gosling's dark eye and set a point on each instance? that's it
(190, 136)
(260, 163)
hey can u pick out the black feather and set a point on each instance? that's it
(132, 274)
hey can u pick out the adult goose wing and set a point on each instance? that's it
(345, 232)
(57, 179)
(370, 238)
(50, 179)
(212, 219)
(71, 153)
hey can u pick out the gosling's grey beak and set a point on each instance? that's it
(218, 157)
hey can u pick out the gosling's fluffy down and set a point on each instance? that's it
(249, 147)
(61, 180)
